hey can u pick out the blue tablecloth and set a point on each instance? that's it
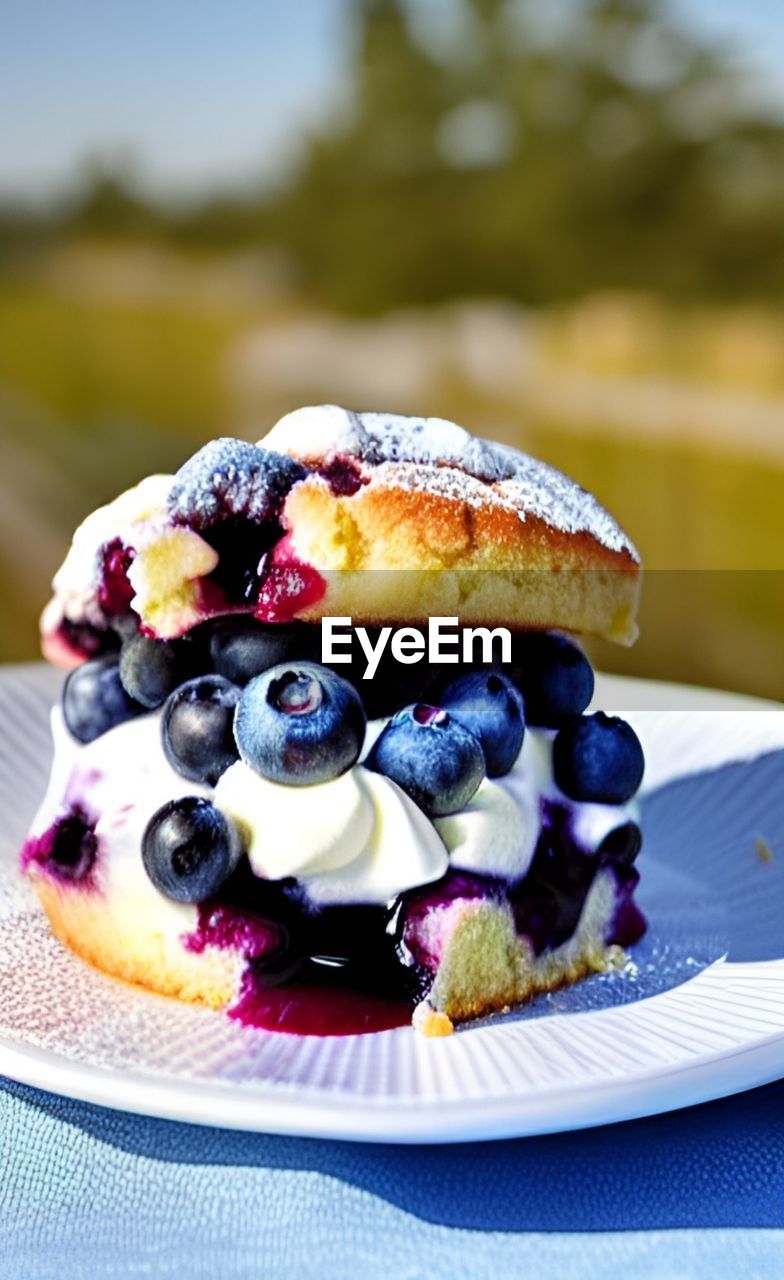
(88, 1192)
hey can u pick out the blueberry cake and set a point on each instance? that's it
(236, 822)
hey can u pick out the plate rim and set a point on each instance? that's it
(296, 1111)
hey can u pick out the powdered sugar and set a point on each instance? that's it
(229, 478)
(431, 455)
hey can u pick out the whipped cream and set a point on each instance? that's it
(119, 781)
(496, 833)
(357, 838)
(297, 831)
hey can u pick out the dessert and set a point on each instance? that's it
(237, 817)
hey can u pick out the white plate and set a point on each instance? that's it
(687, 1026)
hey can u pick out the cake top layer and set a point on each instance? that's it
(442, 458)
(295, 527)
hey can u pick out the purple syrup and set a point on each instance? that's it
(306, 1010)
(288, 585)
(240, 545)
(343, 476)
(66, 850)
(548, 901)
(335, 972)
(629, 923)
(228, 927)
(115, 591)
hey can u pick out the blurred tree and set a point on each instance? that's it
(537, 152)
(109, 204)
(510, 147)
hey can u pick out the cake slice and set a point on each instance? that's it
(235, 822)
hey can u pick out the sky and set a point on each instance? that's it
(203, 94)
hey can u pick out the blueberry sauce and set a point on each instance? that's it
(629, 923)
(220, 925)
(240, 545)
(352, 969)
(115, 591)
(66, 850)
(308, 1010)
(288, 585)
(343, 477)
(548, 901)
(335, 972)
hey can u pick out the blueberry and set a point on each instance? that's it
(152, 669)
(299, 724)
(229, 478)
(554, 677)
(189, 849)
(94, 699)
(598, 758)
(241, 648)
(86, 640)
(489, 706)
(197, 728)
(622, 844)
(437, 762)
(241, 546)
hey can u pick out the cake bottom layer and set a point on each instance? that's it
(352, 969)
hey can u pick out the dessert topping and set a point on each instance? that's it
(598, 758)
(489, 706)
(152, 669)
(197, 728)
(553, 675)
(189, 849)
(230, 478)
(300, 724)
(429, 754)
(94, 699)
(242, 648)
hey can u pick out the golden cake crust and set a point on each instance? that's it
(487, 968)
(403, 518)
(98, 929)
(383, 548)
(522, 544)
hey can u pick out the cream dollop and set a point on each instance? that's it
(297, 831)
(357, 838)
(496, 833)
